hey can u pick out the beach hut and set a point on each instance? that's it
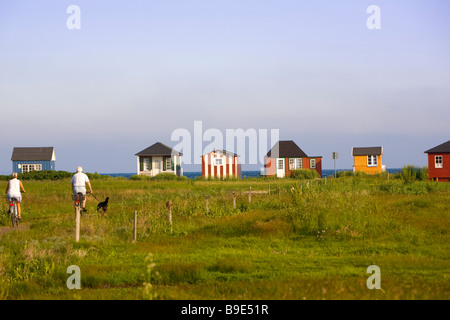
(439, 162)
(159, 158)
(286, 156)
(220, 164)
(368, 160)
(27, 159)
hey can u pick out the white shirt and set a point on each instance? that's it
(79, 179)
(14, 188)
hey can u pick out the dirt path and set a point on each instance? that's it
(22, 226)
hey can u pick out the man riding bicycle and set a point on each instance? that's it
(13, 191)
(79, 181)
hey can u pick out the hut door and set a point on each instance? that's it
(280, 167)
(157, 165)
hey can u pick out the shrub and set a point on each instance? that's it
(411, 173)
(42, 175)
(304, 174)
(344, 173)
(51, 175)
(165, 176)
(140, 177)
(169, 176)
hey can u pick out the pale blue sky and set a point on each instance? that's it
(138, 70)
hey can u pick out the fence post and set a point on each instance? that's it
(234, 199)
(250, 195)
(207, 204)
(279, 193)
(169, 206)
(77, 224)
(301, 188)
(135, 226)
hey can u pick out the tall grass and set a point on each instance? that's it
(271, 247)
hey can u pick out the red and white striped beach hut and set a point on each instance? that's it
(220, 164)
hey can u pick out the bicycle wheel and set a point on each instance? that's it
(17, 216)
(13, 215)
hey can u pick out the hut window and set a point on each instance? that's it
(372, 161)
(438, 161)
(169, 164)
(312, 163)
(146, 163)
(31, 167)
(218, 162)
(280, 164)
(295, 163)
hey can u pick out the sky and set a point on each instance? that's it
(136, 71)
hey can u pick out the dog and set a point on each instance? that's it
(103, 206)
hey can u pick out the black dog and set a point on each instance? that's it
(103, 206)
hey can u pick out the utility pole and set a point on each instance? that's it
(335, 156)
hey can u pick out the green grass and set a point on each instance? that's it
(313, 242)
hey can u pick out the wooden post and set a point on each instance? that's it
(269, 190)
(77, 226)
(301, 188)
(135, 226)
(250, 195)
(388, 176)
(169, 206)
(207, 204)
(325, 180)
(234, 199)
(279, 193)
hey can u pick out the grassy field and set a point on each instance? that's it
(311, 244)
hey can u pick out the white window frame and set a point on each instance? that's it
(312, 163)
(218, 162)
(280, 167)
(146, 164)
(372, 161)
(169, 164)
(438, 164)
(291, 164)
(295, 163)
(28, 167)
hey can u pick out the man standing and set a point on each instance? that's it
(79, 181)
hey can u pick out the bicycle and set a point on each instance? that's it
(14, 212)
(79, 198)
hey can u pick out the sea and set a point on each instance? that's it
(245, 174)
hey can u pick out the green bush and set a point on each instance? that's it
(304, 174)
(411, 173)
(41, 175)
(344, 173)
(51, 175)
(165, 176)
(140, 177)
